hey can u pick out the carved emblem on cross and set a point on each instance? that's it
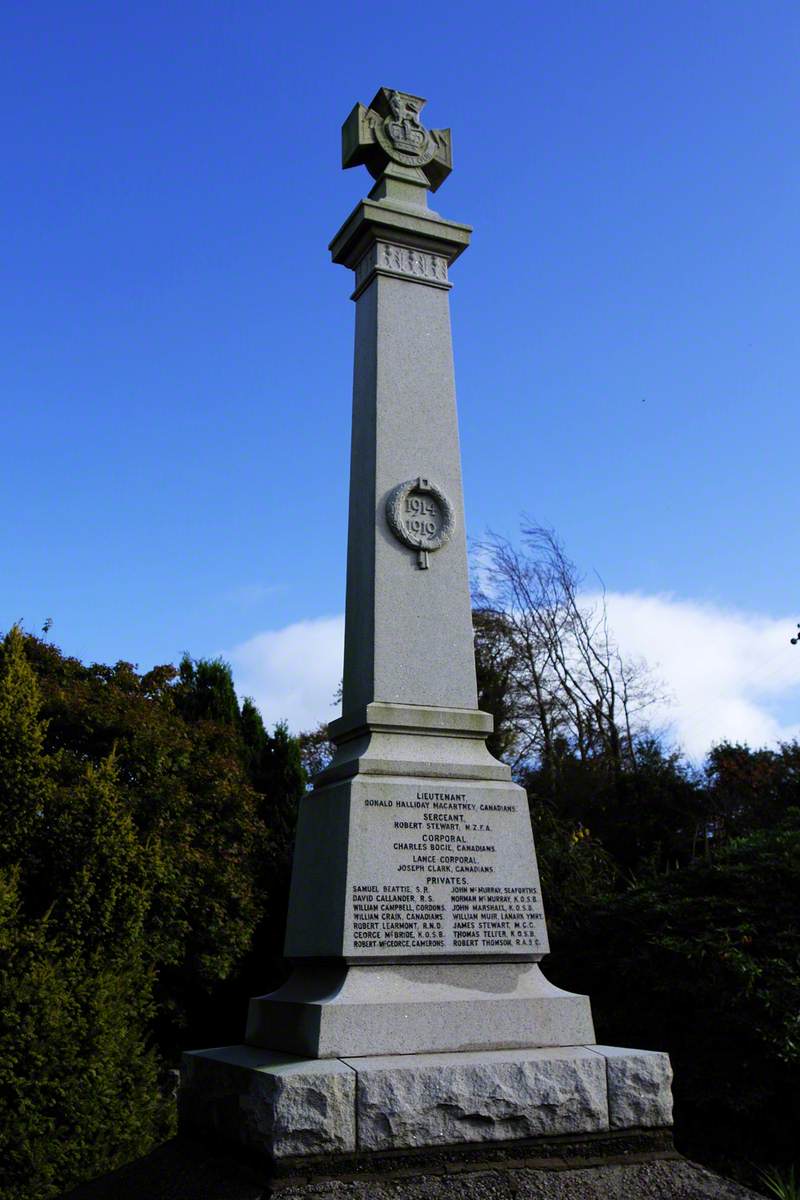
(389, 137)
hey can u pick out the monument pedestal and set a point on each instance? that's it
(288, 1108)
(417, 1016)
(414, 847)
(420, 1008)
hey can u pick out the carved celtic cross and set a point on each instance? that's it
(388, 138)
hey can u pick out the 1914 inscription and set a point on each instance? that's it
(448, 871)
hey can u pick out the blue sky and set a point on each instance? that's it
(175, 373)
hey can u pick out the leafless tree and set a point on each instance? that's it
(567, 687)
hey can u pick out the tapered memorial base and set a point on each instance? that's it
(288, 1108)
(420, 1008)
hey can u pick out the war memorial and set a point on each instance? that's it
(417, 1019)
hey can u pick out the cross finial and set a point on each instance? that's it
(389, 139)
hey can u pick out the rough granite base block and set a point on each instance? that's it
(639, 1087)
(443, 1099)
(286, 1107)
(276, 1105)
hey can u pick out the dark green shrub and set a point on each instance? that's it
(78, 1087)
(705, 963)
(145, 833)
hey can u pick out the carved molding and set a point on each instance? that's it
(404, 262)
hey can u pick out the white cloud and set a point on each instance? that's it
(292, 673)
(730, 675)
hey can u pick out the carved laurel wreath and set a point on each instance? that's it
(396, 515)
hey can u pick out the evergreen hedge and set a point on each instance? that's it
(139, 866)
(705, 963)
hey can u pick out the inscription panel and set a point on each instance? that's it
(445, 870)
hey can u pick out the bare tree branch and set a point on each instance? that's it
(568, 687)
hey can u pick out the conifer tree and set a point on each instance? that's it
(205, 691)
(78, 1081)
(25, 780)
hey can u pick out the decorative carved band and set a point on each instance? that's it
(385, 258)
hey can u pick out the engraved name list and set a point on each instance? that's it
(444, 875)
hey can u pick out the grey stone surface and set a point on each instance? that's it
(639, 1087)
(418, 1009)
(404, 427)
(415, 844)
(284, 1106)
(434, 869)
(452, 851)
(437, 1099)
(407, 224)
(416, 740)
(269, 1102)
(418, 719)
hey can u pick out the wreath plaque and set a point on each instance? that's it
(420, 516)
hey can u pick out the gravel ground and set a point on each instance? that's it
(189, 1171)
(674, 1180)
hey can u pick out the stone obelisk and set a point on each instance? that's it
(415, 921)
(414, 851)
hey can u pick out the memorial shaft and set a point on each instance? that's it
(415, 844)
(408, 630)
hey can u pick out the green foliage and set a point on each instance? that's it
(97, 874)
(78, 1084)
(205, 691)
(184, 782)
(599, 829)
(750, 789)
(146, 824)
(576, 873)
(784, 1185)
(275, 769)
(25, 782)
(705, 963)
(316, 750)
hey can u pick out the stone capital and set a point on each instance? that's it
(378, 221)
